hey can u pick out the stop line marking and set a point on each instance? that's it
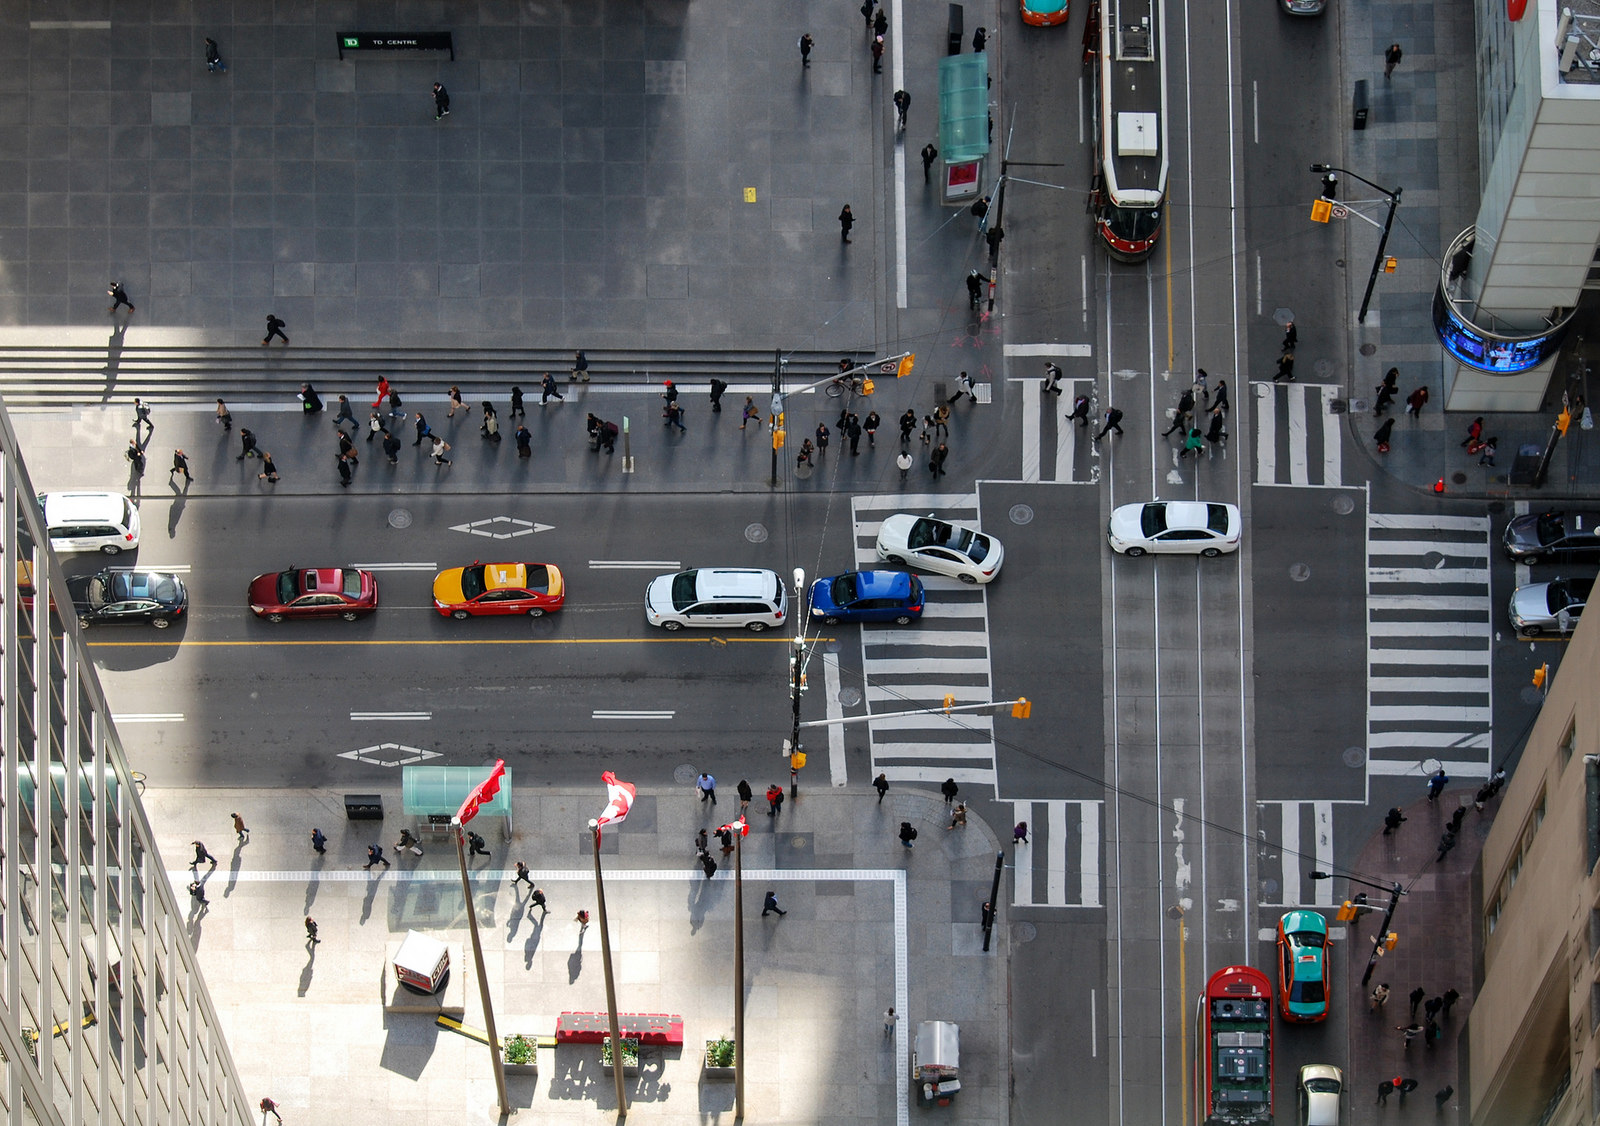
(603, 713)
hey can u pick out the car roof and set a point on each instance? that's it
(505, 576)
(82, 506)
(735, 582)
(882, 584)
(1186, 513)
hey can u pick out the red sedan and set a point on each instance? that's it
(332, 592)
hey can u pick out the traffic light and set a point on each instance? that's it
(778, 435)
(949, 701)
(866, 386)
(1391, 939)
(1540, 675)
(1321, 211)
(906, 364)
(1346, 912)
(797, 760)
(1390, 263)
(1021, 708)
(1563, 420)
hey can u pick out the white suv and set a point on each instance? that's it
(105, 522)
(718, 597)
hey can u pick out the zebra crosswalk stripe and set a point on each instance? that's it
(1050, 451)
(1303, 412)
(1064, 848)
(1296, 836)
(1429, 637)
(946, 653)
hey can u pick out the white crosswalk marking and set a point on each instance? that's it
(1296, 838)
(1297, 435)
(909, 667)
(1052, 447)
(1429, 631)
(1062, 856)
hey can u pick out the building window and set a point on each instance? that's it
(1569, 743)
(1594, 930)
(1594, 1007)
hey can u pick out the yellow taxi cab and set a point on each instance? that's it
(534, 589)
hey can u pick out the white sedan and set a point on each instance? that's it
(930, 544)
(1175, 527)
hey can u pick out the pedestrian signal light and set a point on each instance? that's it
(1022, 708)
(778, 435)
(1390, 263)
(866, 386)
(906, 364)
(797, 760)
(1391, 939)
(1563, 420)
(1330, 186)
(949, 701)
(1540, 675)
(1346, 912)
(1321, 211)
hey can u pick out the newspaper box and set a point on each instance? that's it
(936, 1062)
(422, 963)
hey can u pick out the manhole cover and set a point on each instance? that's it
(1458, 478)
(1021, 514)
(1369, 349)
(1343, 504)
(1355, 756)
(1269, 888)
(399, 518)
(684, 775)
(1299, 572)
(757, 533)
(1497, 506)
(1358, 406)
(833, 645)
(1024, 931)
(849, 697)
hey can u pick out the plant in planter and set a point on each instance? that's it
(518, 1049)
(630, 1054)
(719, 1057)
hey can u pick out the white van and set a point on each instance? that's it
(105, 522)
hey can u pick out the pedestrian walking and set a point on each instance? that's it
(725, 839)
(1441, 1097)
(881, 784)
(201, 853)
(343, 413)
(1052, 378)
(717, 388)
(1019, 833)
(908, 424)
(375, 856)
(395, 413)
(475, 845)
(1447, 1001)
(214, 61)
(455, 402)
(700, 840)
(1291, 337)
(980, 209)
(1454, 824)
(269, 471)
(119, 297)
(1446, 843)
(1193, 443)
(880, 23)
(224, 417)
(197, 892)
(1080, 411)
(310, 401)
(770, 904)
(963, 387)
(1285, 368)
(1474, 432)
(1416, 401)
(582, 919)
(1416, 996)
(749, 412)
(804, 456)
(374, 425)
(805, 50)
(536, 899)
(135, 455)
(440, 448)
(311, 931)
(890, 1019)
(846, 221)
(1392, 820)
(408, 843)
(524, 438)
(239, 828)
(1385, 1089)
(1488, 451)
(707, 785)
(929, 155)
(1405, 1087)
(522, 875)
(422, 428)
(958, 817)
(1113, 421)
(1431, 1007)
(774, 800)
(949, 789)
(941, 420)
(1219, 399)
(908, 834)
(1382, 435)
(674, 416)
(141, 420)
(1431, 1033)
(1412, 1031)
(1437, 783)
(980, 39)
(822, 433)
(319, 842)
(745, 794)
(441, 101)
(516, 410)
(580, 367)
(1217, 432)
(275, 327)
(1180, 413)
(936, 460)
(852, 430)
(974, 288)
(347, 448)
(1391, 59)
(1380, 996)
(708, 865)
(391, 447)
(904, 462)
(270, 1107)
(549, 389)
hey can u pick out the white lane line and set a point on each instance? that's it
(1322, 815)
(1049, 350)
(69, 25)
(1415, 714)
(396, 566)
(974, 638)
(367, 717)
(635, 564)
(1430, 685)
(1032, 419)
(603, 713)
(947, 666)
(830, 690)
(901, 286)
(146, 717)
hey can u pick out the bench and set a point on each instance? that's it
(659, 1029)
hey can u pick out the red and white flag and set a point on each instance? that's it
(738, 826)
(621, 795)
(483, 792)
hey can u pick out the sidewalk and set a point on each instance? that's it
(1434, 951)
(869, 925)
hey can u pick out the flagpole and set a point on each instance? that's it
(738, 977)
(611, 985)
(483, 980)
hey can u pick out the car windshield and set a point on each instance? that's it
(288, 585)
(1306, 993)
(974, 546)
(1135, 224)
(928, 533)
(1322, 1086)
(538, 578)
(1153, 519)
(472, 581)
(1217, 518)
(1551, 527)
(844, 590)
(685, 589)
(352, 583)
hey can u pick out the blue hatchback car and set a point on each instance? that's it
(868, 596)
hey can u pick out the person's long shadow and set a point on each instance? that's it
(514, 923)
(175, 513)
(575, 961)
(310, 967)
(234, 864)
(135, 481)
(113, 366)
(531, 947)
(372, 895)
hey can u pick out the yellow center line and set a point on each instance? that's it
(778, 640)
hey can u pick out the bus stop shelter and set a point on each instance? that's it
(963, 123)
(434, 793)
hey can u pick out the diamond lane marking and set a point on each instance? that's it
(390, 754)
(502, 528)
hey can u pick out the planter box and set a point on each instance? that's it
(630, 1056)
(531, 1068)
(712, 1071)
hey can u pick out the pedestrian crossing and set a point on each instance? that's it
(1296, 837)
(1054, 449)
(911, 667)
(1297, 435)
(1429, 635)
(1060, 864)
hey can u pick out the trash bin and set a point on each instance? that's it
(1360, 105)
(363, 807)
(955, 24)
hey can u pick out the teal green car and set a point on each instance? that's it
(1303, 967)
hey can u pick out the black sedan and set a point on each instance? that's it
(117, 595)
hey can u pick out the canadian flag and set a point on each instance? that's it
(738, 826)
(621, 795)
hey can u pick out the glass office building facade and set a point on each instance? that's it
(104, 1017)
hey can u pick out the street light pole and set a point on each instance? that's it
(1383, 239)
(1395, 892)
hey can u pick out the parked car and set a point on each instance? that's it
(312, 592)
(1320, 1088)
(1552, 607)
(930, 544)
(534, 589)
(1539, 537)
(1303, 967)
(868, 596)
(717, 598)
(106, 522)
(1303, 7)
(128, 596)
(1175, 527)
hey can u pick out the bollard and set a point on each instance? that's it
(953, 46)
(1360, 105)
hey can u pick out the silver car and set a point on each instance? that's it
(1319, 1088)
(1552, 607)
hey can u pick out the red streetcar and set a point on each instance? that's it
(1233, 1050)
